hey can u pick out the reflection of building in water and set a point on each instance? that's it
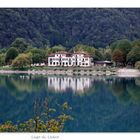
(77, 84)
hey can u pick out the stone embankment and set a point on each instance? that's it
(62, 72)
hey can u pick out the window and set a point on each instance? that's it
(53, 63)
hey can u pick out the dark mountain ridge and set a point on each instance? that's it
(96, 27)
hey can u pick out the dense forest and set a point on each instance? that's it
(68, 27)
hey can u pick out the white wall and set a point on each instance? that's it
(76, 60)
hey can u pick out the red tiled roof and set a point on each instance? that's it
(84, 53)
(80, 53)
(62, 52)
(70, 54)
(51, 55)
(87, 55)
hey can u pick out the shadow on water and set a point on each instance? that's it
(98, 103)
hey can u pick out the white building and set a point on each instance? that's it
(81, 59)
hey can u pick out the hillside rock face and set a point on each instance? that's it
(97, 27)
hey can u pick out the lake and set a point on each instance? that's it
(99, 103)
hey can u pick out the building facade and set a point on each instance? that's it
(80, 59)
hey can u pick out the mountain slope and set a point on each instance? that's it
(98, 27)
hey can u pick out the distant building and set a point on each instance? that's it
(80, 59)
(103, 63)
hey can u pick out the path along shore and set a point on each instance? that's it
(128, 72)
(124, 72)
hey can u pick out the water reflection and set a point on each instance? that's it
(106, 104)
(126, 90)
(76, 84)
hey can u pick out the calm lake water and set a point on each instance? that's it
(99, 104)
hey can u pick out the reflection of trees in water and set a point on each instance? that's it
(126, 90)
(21, 86)
(118, 89)
(134, 90)
(96, 106)
(2, 82)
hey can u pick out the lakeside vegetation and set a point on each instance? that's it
(43, 120)
(20, 54)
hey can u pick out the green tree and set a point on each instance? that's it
(136, 42)
(2, 59)
(38, 55)
(21, 44)
(134, 55)
(137, 65)
(98, 55)
(11, 54)
(124, 46)
(113, 45)
(22, 61)
(57, 48)
(85, 48)
(107, 54)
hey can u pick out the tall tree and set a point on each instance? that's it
(21, 44)
(2, 59)
(38, 55)
(124, 46)
(11, 54)
(98, 55)
(107, 54)
(134, 55)
(57, 48)
(118, 57)
(86, 48)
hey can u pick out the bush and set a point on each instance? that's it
(43, 121)
(137, 65)
(22, 61)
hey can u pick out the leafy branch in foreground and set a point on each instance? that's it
(43, 120)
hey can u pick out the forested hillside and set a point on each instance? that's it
(96, 27)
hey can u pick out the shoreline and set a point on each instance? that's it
(121, 72)
(125, 72)
(57, 72)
